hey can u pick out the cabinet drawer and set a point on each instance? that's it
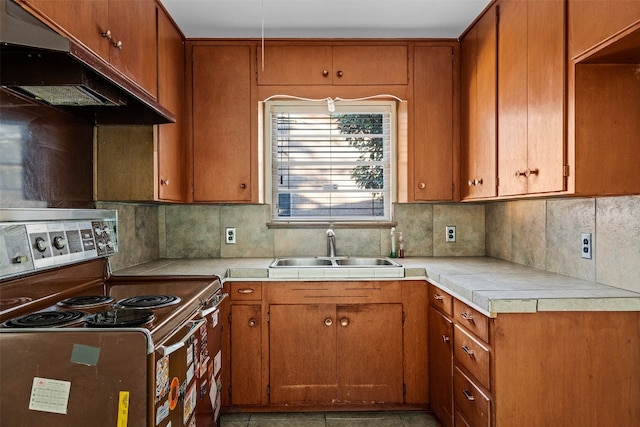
(471, 354)
(441, 300)
(246, 291)
(472, 403)
(471, 319)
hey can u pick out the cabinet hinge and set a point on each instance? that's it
(565, 170)
(497, 181)
(404, 317)
(268, 316)
(229, 318)
(404, 388)
(268, 389)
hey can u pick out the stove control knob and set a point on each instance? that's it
(110, 244)
(101, 246)
(19, 259)
(59, 242)
(106, 230)
(41, 244)
(97, 230)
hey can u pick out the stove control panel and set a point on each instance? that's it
(31, 245)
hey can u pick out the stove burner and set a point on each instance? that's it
(148, 301)
(86, 301)
(119, 318)
(44, 319)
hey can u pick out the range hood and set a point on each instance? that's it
(41, 65)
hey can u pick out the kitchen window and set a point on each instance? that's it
(330, 166)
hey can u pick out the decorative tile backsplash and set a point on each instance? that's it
(541, 233)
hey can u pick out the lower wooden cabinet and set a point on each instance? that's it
(327, 345)
(326, 353)
(532, 369)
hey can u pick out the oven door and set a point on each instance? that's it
(74, 377)
(177, 364)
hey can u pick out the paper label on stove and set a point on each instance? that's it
(48, 395)
(190, 373)
(123, 409)
(217, 363)
(214, 318)
(162, 412)
(190, 399)
(162, 378)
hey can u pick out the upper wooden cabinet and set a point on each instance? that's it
(122, 32)
(435, 152)
(223, 131)
(170, 177)
(333, 65)
(531, 97)
(590, 22)
(478, 137)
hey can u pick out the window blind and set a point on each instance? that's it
(331, 165)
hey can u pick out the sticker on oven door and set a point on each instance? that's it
(48, 395)
(123, 409)
(217, 363)
(162, 378)
(162, 412)
(190, 399)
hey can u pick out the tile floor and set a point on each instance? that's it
(332, 419)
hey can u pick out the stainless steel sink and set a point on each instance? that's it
(316, 262)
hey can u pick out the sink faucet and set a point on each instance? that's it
(331, 243)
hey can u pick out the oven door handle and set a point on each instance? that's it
(166, 350)
(207, 311)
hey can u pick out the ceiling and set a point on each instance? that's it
(324, 18)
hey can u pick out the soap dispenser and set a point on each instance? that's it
(393, 253)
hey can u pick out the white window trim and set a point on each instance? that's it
(340, 106)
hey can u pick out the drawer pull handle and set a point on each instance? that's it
(467, 316)
(467, 350)
(438, 297)
(252, 322)
(245, 291)
(328, 321)
(468, 395)
(344, 321)
(445, 338)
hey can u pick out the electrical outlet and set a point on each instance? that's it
(230, 235)
(450, 236)
(586, 246)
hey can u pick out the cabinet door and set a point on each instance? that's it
(433, 123)
(531, 97)
(133, 22)
(478, 109)
(441, 366)
(370, 65)
(246, 354)
(84, 20)
(221, 123)
(591, 22)
(512, 97)
(369, 353)
(171, 173)
(302, 353)
(295, 65)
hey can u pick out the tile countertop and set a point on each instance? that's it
(490, 285)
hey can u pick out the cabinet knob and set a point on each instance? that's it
(325, 73)
(339, 73)
(328, 321)
(526, 173)
(475, 182)
(164, 181)
(107, 34)
(468, 395)
(466, 316)
(422, 186)
(467, 350)
(252, 322)
(438, 297)
(243, 185)
(118, 44)
(344, 321)
(445, 338)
